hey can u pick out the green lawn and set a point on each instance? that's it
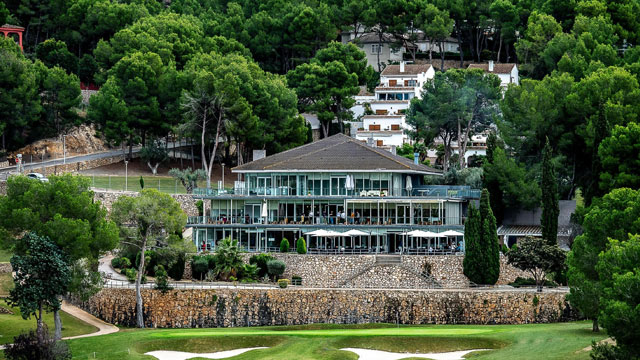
(537, 341)
(162, 183)
(12, 325)
(6, 283)
(5, 255)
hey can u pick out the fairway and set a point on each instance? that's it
(323, 341)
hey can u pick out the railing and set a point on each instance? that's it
(324, 220)
(431, 191)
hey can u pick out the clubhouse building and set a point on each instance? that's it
(340, 194)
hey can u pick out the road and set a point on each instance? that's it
(80, 158)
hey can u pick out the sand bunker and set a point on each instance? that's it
(179, 355)
(366, 354)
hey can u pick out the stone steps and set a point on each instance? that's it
(388, 260)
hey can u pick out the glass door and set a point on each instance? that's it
(403, 214)
(264, 186)
(338, 185)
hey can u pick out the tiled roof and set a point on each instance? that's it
(497, 68)
(339, 153)
(409, 69)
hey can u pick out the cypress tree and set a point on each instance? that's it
(550, 206)
(489, 241)
(473, 252)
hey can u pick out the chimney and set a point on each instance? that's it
(490, 65)
(416, 158)
(401, 66)
(393, 149)
(259, 154)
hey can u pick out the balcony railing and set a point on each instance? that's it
(322, 221)
(430, 191)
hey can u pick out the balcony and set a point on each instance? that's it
(423, 191)
(327, 221)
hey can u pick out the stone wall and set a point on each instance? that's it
(3, 187)
(107, 198)
(329, 271)
(5, 268)
(291, 306)
(78, 166)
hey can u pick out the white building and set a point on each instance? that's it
(508, 73)
(477, 146)
(385, 124)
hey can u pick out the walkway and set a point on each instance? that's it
(79, 158)
(103, 327)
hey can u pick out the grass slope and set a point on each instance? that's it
(12, 325)
(5, 255)
(539, 341)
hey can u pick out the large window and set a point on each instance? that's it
(376, 48)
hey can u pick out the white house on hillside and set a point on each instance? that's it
(508, 73)
(385, 125)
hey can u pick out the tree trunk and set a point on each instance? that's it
(459, 33)
(440, 43)
(325, 130)
(378, 52)
(430, 51)
(58, 325)
(154, 168)
(139, 314)
(499, 48)
(130, 146)
(39, 326)
(202, 148)
(595, 327)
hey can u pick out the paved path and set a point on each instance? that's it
(79, 158)
(107, 271)
(103, 327)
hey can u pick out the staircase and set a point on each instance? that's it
(388, 260)
(392, 261)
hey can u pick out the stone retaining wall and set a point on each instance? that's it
(78, 166)
(329, 271)
(5, 268)
(259, 307)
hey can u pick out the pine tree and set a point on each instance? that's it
(471, 264)
(489, 241)
(550, 207)
(301, 246)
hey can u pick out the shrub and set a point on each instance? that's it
(130, 274)
(115, 263)
(283, 283)
(301, 246)
(504, 249)
(162, 281)
(530, 282)
(199, 266)
(33, 345)
(261, 261)
(284, 246)
(275, 268)
(248, 272)
(176, 271)
(227, 259)
(125, 263)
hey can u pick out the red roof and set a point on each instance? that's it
(12, 27)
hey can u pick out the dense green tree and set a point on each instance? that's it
(301, 246)
(537, 257)
(227, 259)
(145, 221)
(41, 274)
(386, 17)
(474, 253)
(620, 297)
(619, 155)
(54, 52)
(63, 210)
(20, 105)
(109, 111)
(437, 26)
(87, 67)
(60, 99)
(506, 16)
(614, 216)
(327, 85)
(4, 13)
(550, 204)
(284, 246)
(454, 105)
(541, 28)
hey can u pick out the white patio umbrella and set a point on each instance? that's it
(264, 212)
(354, 232)
(451, 233)
(409, 185)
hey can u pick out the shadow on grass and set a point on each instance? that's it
(432, 344)
(208, 344)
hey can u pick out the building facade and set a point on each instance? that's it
(384, 125)
(342, 196)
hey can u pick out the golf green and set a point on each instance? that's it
(323, 341)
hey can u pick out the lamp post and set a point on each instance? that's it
(64, 149)
(126, 175)
(222, 175)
